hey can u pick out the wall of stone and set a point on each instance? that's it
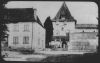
(84, 41)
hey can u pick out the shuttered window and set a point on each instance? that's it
(16, 28)
(26, 27)
(15, 40)
(26, 40)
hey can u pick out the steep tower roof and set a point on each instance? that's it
(63, 12)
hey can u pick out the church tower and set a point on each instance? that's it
(63, 22)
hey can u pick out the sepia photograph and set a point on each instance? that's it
(49, 31)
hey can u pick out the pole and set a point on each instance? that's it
(32, 36)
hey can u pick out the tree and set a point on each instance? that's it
(49, 30)
(3, 27)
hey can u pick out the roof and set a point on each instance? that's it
(39, 22)
(19, 14)
(63, 12)
(86, 26)
(67, 20)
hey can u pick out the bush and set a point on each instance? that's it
(21, 50)
(7, 48)
(26, 50)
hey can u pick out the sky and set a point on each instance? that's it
(83, 12)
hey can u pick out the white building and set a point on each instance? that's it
(25, 29)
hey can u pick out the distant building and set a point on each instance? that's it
(66, 27)
(25, 29)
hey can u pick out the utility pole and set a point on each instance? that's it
(32, 37)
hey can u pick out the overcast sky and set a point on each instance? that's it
(83, 12)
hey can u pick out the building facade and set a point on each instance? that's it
(25, 29)
(66, 27)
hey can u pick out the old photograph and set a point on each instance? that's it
(48, 31)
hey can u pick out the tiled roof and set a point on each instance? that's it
(19, 14)
(86, 26)
(63, 12)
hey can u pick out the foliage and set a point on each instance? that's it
(3, 27)
(49, 30)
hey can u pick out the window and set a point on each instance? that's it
(16, 27)
(15, 40)
(26, 27)
(26, 40)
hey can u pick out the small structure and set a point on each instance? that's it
(25, 29)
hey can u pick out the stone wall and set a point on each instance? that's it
(84, 41)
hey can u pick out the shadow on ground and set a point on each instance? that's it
(87, 58)
(62, 58)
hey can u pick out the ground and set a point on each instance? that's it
(16, 56)
(47, 56)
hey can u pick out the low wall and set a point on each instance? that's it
(87, 42)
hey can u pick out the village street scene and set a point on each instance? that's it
(49, 31)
